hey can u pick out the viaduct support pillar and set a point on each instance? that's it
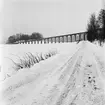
(71, 38)
(75, 37)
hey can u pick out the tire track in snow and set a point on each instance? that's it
(62, 80)
(66, 91)
(92, 89)
(71, 84)
(101, 66)
(50, 91)
(47, 97)
(74, 94)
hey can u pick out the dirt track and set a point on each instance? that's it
(79, 81)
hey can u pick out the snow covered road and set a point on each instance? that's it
(76, 78)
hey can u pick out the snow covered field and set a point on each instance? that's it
(10, 53)
(74, 76)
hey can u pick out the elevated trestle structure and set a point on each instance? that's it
(57, 39)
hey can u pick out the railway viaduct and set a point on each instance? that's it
(57, 39)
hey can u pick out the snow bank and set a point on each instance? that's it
(40, 70)
(14, 52)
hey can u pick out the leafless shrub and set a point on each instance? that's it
(28, 60)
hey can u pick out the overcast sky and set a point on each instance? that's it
(49, 17)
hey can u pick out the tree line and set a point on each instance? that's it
(96, 27)
(26, 37)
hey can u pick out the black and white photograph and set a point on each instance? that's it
(52, 52)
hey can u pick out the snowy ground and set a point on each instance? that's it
(75, 76)
(14, 52)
